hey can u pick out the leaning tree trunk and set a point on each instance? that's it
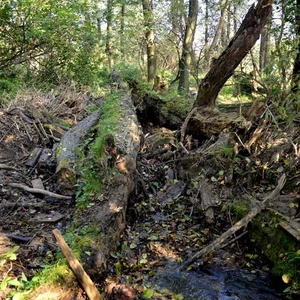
(238, 48)
(185, 60)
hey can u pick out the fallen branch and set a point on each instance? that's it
(38, 191)
(216, 244)
(7, 167)
(77, 269)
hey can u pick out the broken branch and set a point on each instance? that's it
(216, 244)
(77, 269)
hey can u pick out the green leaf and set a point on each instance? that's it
(143, 261)
(148, 293)
(213, 179)
(16, 283)
(24, 278)
(280, 170)
(132, 245)
(11, 255)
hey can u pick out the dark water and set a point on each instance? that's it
(218, 283)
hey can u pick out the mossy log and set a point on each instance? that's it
(108, 214)
(67, 153)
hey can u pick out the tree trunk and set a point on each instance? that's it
(108, 48)
(185, 60)
(151, 53)
(220, 27)
(122, 26)
(238, 48)
(264, 46)
(296, 70)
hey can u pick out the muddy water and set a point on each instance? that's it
(218, 283)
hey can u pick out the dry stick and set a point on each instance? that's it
(39, 191)
(77, 269)
(7, 167)
(186, 121)
(216, 244)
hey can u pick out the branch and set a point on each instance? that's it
(216, 244)
(77, 269)
(38, 191)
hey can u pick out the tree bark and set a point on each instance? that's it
(264, 47)
(122, 27)
(296, 69)
(108, 48)
(187, 47)
(220, 27)
(237, 49)
(151, 51)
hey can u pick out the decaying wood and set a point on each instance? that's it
(38, 191)
(44, 160)
(292, 227)
(109, 211)
(216, 244)
(76, 267)
(256, 134)
(67, 156)
(37, 184)
(18, 238)
(209, 121)
(33, 157)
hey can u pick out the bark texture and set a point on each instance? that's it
(151, 55)
(296, 70)
(187, 48)
(240, 45)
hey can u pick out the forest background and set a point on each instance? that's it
(164, 49)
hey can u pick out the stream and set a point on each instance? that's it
(215, 282)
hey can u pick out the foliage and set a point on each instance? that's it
(53, 40)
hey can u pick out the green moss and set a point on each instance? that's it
(278, 246)
(239, 208)
(93, 167)
(111, 117)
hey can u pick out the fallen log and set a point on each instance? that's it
(66, 153)
(216, 244)
(109, 210)
(77, 269)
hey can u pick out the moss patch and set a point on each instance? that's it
(93, 165)
(279, 247)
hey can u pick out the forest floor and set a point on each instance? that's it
(167, 220)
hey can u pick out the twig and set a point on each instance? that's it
(6, 167)
(38, 191)
(77, 269)
(235, 239)
(18, 238)
(216, 244)
(186, 121)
